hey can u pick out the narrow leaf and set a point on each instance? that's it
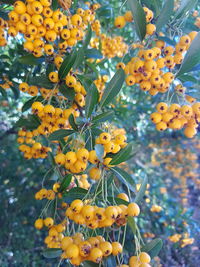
(72, 122)
(153, 248)
(67, 92)
(103, 117)
(51, 253)
(87, 37)
(60, 134)
(113, 88)
(122, 155)
(29, 103)
(138, 17)
(65, 182)
(192, 57)
(165, 14)
(91, 100)
(132, 225)
(99, 151)
(67, 65)
(41, 81)
(142, 190)
(124, 177)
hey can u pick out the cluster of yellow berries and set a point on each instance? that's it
(3, 26)
(151, 69)
(111, 46)
(96, 27)
(141, 260)
(121, 21)
(97, 217)
(75, 162)
(41, 26)
(177, 117)
(156, 208)
(77, 249)
(48, 194)
(37, 150)
(52, 119)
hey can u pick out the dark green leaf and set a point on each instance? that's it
(60, 134)
(67, 65)
(118, 201)
(187, 78)
(185, 7)
(122, 155)
(3, 92)
(54, 4)
(93, 68)
(192, 57)
(41, 81)
(167, 40)
(165, 14)
(91, 100)
(51, 158)
(75, 193)
(124, 177)
(99, 151)
(103, 117)
(79, 58)
(49, 68)
(153, 248)
(65, 182)
(28, 60)
(72, 122)
(51, 253)
(93, 53)
(16, 91)
(142, 190)
(67, 92)
(132, 225)
(30, 123)
(139, 18)
(29, 103)
(90, 264)
(113, 87)
(87, 37)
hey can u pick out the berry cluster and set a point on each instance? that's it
(3, 26)
(177, 117)
(97, 217)
(156, 208)
(37, 150)
(111, 46)
(41, 26)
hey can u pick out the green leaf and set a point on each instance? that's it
(60, 134)
(142, 190)
(72, 122)
(30, 123)
(118, 201)
(165, 14)
(132, 224)
(90, 264)
(192, 57)
(184, 9)
(29, 103)
(67, 65)
(87, 37)
(122, 155)
(124, 177)
(41, 81)
(79, 58)
(3, 92)
(93, 68)
(28, 60)
(187, 78)
(51, 158)
(99, 151)
(68, 92)
(153, 248)
(113, 88)
(65, 182)
(167, 40)
(91, 100)
(54, 4)
(93, 53)
(75, 193)
(139, 18)
(15, 91)
(103, 117)
(51, 253)
(49, 68)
